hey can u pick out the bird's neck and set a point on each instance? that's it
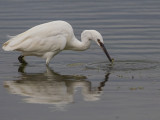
(78, 45)
(84, 44)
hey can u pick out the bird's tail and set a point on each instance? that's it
(6, 46)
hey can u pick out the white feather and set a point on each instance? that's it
(48, 39)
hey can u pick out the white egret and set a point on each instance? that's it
(48, 39)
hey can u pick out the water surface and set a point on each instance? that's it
(84, 85)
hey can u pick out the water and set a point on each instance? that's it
(84, 85)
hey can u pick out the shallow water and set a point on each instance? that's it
(84, 85)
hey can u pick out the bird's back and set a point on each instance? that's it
(40, 36)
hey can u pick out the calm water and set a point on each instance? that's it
(83, 85)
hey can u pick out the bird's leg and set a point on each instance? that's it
(47, 61)
(21, 60)
(49, 57)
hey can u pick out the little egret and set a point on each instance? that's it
(48, 39)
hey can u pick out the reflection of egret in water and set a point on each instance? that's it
(53, 88)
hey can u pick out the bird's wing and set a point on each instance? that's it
(44, 37)
(47, 44)
(37, 43)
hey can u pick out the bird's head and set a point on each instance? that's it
(97, 37)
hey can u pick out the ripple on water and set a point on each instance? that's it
(126, 65)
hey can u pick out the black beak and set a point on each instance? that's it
(105, 50)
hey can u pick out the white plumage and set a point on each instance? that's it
(48, 39)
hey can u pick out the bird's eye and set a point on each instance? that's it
(98, 40)
(100, 43)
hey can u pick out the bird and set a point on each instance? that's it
(48, 39)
